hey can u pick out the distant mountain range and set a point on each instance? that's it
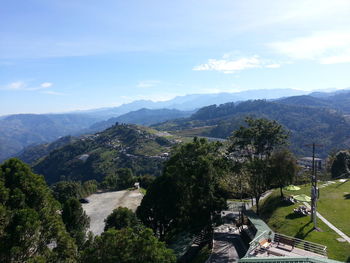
(143, 116)
(23, 130)
(309, 119)
(193, 101)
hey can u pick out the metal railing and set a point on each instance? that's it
(301, 244)
(287, 260)
(256, 242)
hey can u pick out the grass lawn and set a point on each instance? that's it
(334, 203)
(281, 218)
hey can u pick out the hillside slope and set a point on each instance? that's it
(31, 154)
(101, 154)
(338, 100)
(306, 124)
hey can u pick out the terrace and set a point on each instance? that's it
(268, 246)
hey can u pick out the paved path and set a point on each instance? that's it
(228, 246)
(265, 195)
(102, 204)
(340, 233)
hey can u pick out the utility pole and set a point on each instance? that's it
(314, 189)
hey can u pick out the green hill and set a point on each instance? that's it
(32, 154)
(306, 124)
(95, 156)
(339, 100)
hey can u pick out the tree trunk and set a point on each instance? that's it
(257, 198)
(281, 192)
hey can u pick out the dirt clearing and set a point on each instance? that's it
(102, 204)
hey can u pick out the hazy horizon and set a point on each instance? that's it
(62, 56)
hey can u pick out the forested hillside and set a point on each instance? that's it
(338, 100)
(306, 124)
(96, 156)
(142, 117)
(31, 154)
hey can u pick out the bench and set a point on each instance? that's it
(285, 241)
(264, 243)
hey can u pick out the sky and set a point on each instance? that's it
(64, 55)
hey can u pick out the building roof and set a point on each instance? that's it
(310, 159)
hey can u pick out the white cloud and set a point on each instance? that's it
(46, 85)
(20, 85)
(229, 65)
(325, 47)
(148, 83)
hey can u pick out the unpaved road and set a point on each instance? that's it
(102, 204)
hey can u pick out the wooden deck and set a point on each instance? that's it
(285, 251)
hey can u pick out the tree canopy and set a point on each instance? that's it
(121, 217)
(76, 220)
(31, 227)
(341, 164)
(127, 245)
(259, 138)
(253, 145)
(188, 194)
(283, 168)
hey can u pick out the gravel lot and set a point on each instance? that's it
(102, 204)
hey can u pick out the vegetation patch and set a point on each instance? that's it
(281, 218)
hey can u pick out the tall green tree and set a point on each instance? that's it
(125, 178)
(146, 180)
(76, 220)
(253, 145)
(188, 194)
(341, 164)
(127, 246)
(283, 168)
(258, 178)
(64, 190)
(122, 179)
(258, 138)
(121, 217)
(31, 227)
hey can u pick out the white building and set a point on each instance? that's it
(307, 162)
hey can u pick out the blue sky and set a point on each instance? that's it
(63, 55)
